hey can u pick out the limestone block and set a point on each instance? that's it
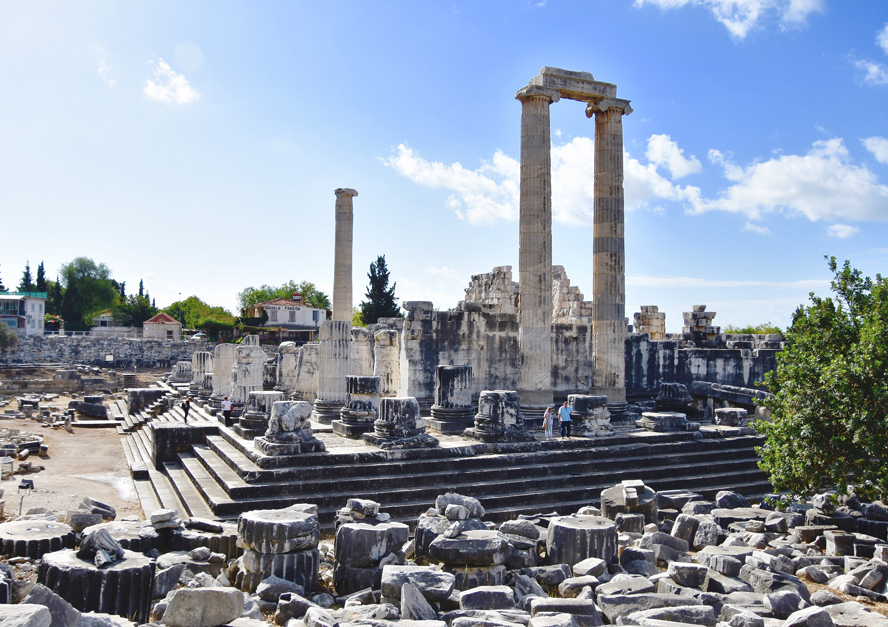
(203, 607)
(472, 548)
(571, 540)
(435, 585)
(360, 545)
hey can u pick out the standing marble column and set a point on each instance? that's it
(223, 360)
(334, 364)
(608, 255)
(535, 248)
(342, 269)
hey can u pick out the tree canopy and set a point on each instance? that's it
(755, 329)
(381, 301)
(40, 283)
(133, 310)
(311, 295)
(829, 410)
(88, 289)
(196, 314)
(27, 283)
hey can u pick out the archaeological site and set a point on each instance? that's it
(399, 473)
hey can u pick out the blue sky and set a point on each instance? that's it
(197, 146)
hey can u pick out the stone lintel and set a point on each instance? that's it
(345, 191)
(573, 85)
(608, 103)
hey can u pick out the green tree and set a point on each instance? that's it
(26, 284)
(54, 297)
(141, 288)
(88, 289)
(755, 329)
(133, 310)
(40, 285)
(311, 295)
(381, 301)
(2, 289)
(196, 314)
(8, 337)
(829, 409)
(357, 318)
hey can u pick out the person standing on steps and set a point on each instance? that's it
(548, 419)
(564, 414)
(226, 411)
(186, 406)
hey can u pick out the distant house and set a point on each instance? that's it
(105, 319)
(162, 327)
(23, 311)
(290, 318)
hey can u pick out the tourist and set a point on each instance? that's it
(226, 410)
(548, 419)
(564, 414)
(186, 406)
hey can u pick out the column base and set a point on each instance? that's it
(351, 430)
(450, 420)
(326, 412)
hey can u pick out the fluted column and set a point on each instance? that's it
(535, 247)
(608, 253)
(342, 269)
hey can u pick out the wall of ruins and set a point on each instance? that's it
(94, 351)
(650, 363)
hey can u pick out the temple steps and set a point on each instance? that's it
(221, 479)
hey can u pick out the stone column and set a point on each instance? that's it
(361, 407)
(535, 248)
(342, 268)
(608, 255)
(334, 364)
(453, 410)
(223, 360)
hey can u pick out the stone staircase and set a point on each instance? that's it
(225, 476)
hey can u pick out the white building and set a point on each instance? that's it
(162, 327)
(291, 318)
(23, 311)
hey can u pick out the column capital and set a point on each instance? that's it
(532, 91)
(605, 104)
(345, 191)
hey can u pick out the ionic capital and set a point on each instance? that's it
(606, 104)
(532, 91)
(345, 191)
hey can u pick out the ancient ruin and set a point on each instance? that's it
(346, 487)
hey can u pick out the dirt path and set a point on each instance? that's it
(87, 462)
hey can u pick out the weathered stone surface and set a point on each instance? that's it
(203, 607)
(487, 598)
(594, 566)
(688, 575)
(473, 548)
(63, 613)
(626, 584)
(853, 614)
(571, 540)
(584, 611)
(682, 614)
(34, 538)
(414, 605)
(25, 615)
(618, 605)
(731, 500)
(360, 545)
(166, 579)
(123, 587)
(809, 617)
(279, 530)
(434, 585)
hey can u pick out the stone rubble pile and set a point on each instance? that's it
(646, 558)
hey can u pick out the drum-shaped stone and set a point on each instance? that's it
(571, 539)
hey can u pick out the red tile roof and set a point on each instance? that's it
(162, 318)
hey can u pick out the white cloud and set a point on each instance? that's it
(842, 231)
(482, 196)
(741, 16)
(103, 68)
(797, 11)
(490, 193)
(171, 87)
(757, 228)
(882, 38)
(662, 151)
(821, 185)
(873, 73)
(878, 146)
